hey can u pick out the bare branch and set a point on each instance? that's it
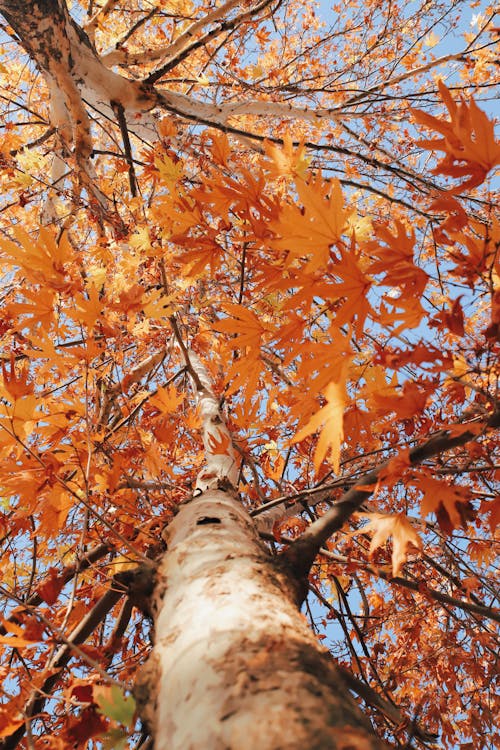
(482, 610)
(68, 573)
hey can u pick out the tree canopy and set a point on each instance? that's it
(300, 197)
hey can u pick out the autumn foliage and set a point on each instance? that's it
(330, 252)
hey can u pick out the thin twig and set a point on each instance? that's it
(303, 550)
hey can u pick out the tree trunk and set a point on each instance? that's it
(235, 664)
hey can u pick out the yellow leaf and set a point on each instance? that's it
(256, 71)
(170, 170)
(158, 305)
(431, 39)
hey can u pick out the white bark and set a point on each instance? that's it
(235, 666)
(220, 458)
(78, 77)
(119, 56)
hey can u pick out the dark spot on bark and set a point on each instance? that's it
(206, 520)
(139, 586)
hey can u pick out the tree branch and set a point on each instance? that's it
(66, 575)
(127, 148)
(420, 587)
(184, 45)
(301, 553)
(61, 658)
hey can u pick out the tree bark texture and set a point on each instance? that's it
(235, 665)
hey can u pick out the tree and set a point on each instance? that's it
(250, 325)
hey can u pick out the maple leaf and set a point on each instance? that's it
(456, 216)
(220, 148)
(451, 504)
(219, 443)
(17, 383)
(353, 287)
(287, 160)
(314, 227)
(410, 404)
(272, 461)
(481, 242)
(395, 468)
(469, 141)
(40, 307)
(10, 720)
(51, 587)
(321, 363)
(492, 507)
(208, 252)
(17, 637)
(158, 305)
(167, 400)
(382, 526)
(55, 510)
(329, 420)
(453, 320)
(44, 260)
(244, 372)
(395, 258)
(245, 325)
(170, 169)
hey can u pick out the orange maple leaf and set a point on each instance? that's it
(456, 216)
(482, 243)
(469, 141)
(287, 160)
(329, 419)
(395, 468)
(17, 636)
(353, 287)
(395, 258)
(450, 503)
(39, 304)
(51, 587)
(410, 404)
(17, 384)
(10, 720)
(312, 228)
(404, 536)
(246, 326)
(167, 400)
(219, 443)
(44, 260)
(220, 148)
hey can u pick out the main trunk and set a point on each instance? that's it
(235, 664)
